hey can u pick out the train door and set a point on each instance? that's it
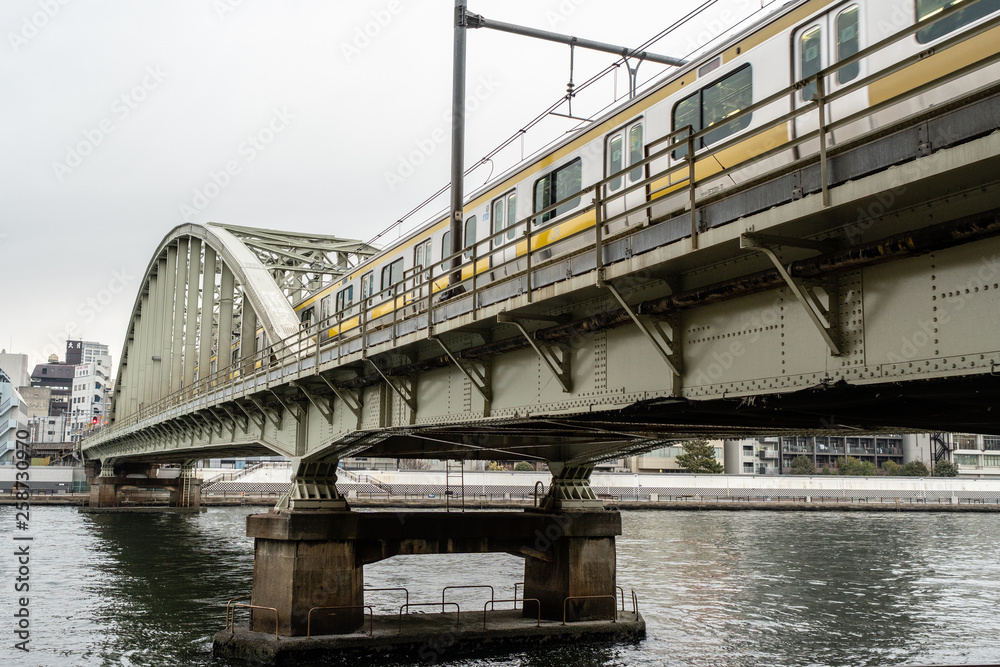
(818, 44)
(503, 213)
(623, 148)
(422, 258)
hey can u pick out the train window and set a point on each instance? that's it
(324, 308)
(504, 216)
(446, 247)
(511, 214)
(635, 152)
(422, 257)
(711, 105)
(615, 157)
(848, 43)
(686, 112)
(345, 298)
(422, 254)
(470, 235)
(392, 273)
(307, 315)
(927, 8)
(367, 285)
(556, 186)
(810, 59)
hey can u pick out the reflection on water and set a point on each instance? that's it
(719, 588)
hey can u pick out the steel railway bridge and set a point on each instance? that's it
(854, 289)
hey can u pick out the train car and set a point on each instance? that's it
(548, 202)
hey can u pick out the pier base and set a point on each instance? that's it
(310, 560)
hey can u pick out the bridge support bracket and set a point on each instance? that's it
(293, 408)
(271, 417)
(405, 393)
(554, 356)
(668, 346)
(481, 380)
(324, 405)
(820, 315)
(314, 487)
(570, 488)
(353, 400)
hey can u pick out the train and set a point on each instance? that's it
(548, 200)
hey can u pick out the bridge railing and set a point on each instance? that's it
(673, 191)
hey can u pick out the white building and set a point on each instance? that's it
(92, 351)
(975, 455)
(48, 430)
(89, 398)
(16, 367)
(13, 418)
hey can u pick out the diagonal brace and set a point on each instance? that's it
(322, 404)
(558, 364)
(407, 395)
(350, 398)
(653, 331)
(819, 315)
(481, 380)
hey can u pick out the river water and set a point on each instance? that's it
(716, 588)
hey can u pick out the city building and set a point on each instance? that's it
(16, 367)
(39, 400)
(664, 459)
(47, 429)
(975, 455)
(89, 397)
(58, 377)
(824, 451)
(13, 418)
(90, 351)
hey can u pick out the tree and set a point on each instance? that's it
(699, 457)
(892, 468)
(802, 465)
(523, 466)
(850, 465)
(414, 464)
(944, 469)
(915, 469)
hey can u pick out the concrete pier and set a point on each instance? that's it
(307, 559)
(106, 488)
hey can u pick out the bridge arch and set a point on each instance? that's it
(206, 293)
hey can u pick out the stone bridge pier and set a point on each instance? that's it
(108, 483)
(311, 559)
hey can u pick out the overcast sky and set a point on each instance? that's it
(118, 116)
